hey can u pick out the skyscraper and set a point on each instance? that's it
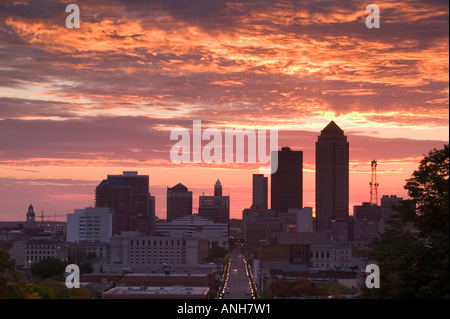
(128, 197)
(215, 208)
(260, 190)
(179, 202)
(332, 177)
(286, 188)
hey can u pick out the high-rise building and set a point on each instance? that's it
(179, 202)
(332, 177)
(388, 202)
(260, 192)
(89, 225)
(286, 188)
(128, 197)
(215, 208)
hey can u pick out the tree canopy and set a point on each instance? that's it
(413, 252)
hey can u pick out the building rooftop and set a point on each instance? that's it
(113, 182)
(179, 187)
(156, 292)
(332, 129)
(166, 275)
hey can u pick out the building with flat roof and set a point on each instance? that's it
(133, 249)
(195, 226)
(89, 225)
(179, 202)
(39, 247)
(169, 279)
(259, 192)
(146, 292)
(286, 189)
(128, 196)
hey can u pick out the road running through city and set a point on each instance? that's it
(237, 285)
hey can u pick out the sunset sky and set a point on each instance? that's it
(79, 104)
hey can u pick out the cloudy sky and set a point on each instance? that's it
(78, 104)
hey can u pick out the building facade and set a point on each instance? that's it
(286, 188)
(129, 248)
(129, 199)
(260, 192)
(195, 226)
(332, 177)
(215, 208)
(179, 202)
(90, 225)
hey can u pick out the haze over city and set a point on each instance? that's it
(79, 104)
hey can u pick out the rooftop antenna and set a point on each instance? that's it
(373, 184)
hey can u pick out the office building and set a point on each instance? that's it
(260, 192)
(179, 202)
(332, 177)
(89, 225)
(287, 182)
(195, 226)
(215, 208)
(258, 231)
(132, 249)
(40, 247)
(129, 199)
(330, 256)
(388, 203)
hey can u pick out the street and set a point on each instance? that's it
(237, 286)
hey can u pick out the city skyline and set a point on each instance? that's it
(79, 104)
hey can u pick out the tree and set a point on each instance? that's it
(413, 252)
(47, 268)
(281, 288)
(303, 287)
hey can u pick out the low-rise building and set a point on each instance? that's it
(130, 248)
(194, 226)
(145, 292)
(330, 256)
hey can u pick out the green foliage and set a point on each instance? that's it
(13, 284)
(302, 288)
(216, 253)
(413, 252)
(47, 268)
(6, 263)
